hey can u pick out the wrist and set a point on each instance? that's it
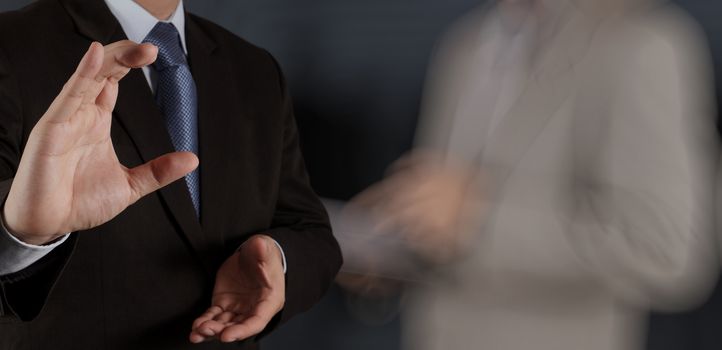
(29, 239)
(281, 254)
(273, 248)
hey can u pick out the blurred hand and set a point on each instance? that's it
(428, 201)
(250, 289)
(369, 285)
(69, 177)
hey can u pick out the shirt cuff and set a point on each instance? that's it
(16, 255)
(283, 256)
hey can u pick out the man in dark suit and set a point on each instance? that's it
(242, 236)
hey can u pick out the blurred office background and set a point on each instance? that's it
(356, 69)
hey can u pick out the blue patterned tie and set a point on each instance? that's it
(176, 97)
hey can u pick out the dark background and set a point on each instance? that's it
(356, 70)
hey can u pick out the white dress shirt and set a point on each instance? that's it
(137, 23)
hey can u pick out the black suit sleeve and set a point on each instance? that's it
(22, 294)
(11, 125)
(301, 226)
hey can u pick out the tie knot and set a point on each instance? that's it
(170, 52)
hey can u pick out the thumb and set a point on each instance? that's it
(160, 172)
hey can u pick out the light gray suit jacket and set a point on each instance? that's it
(600, 179)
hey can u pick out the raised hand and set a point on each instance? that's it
(69, 177)
(250, 289)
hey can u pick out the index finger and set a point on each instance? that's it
(76, 88)
(99, 63)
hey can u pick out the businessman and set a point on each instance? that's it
(233, 244)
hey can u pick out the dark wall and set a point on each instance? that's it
(355, 68)
(13, 4)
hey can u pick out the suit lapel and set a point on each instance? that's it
(450, 82)
(138, 114)
(213, 93)
(92, 19)
(551, 83)
(516, 133)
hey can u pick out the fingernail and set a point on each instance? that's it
(207, 331)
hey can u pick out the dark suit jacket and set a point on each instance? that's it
(138, 281)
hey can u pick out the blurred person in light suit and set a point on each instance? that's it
(563, 178)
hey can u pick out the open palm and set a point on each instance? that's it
(249, 291)
(69, 177)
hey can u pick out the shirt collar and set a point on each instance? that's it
(137, 22)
